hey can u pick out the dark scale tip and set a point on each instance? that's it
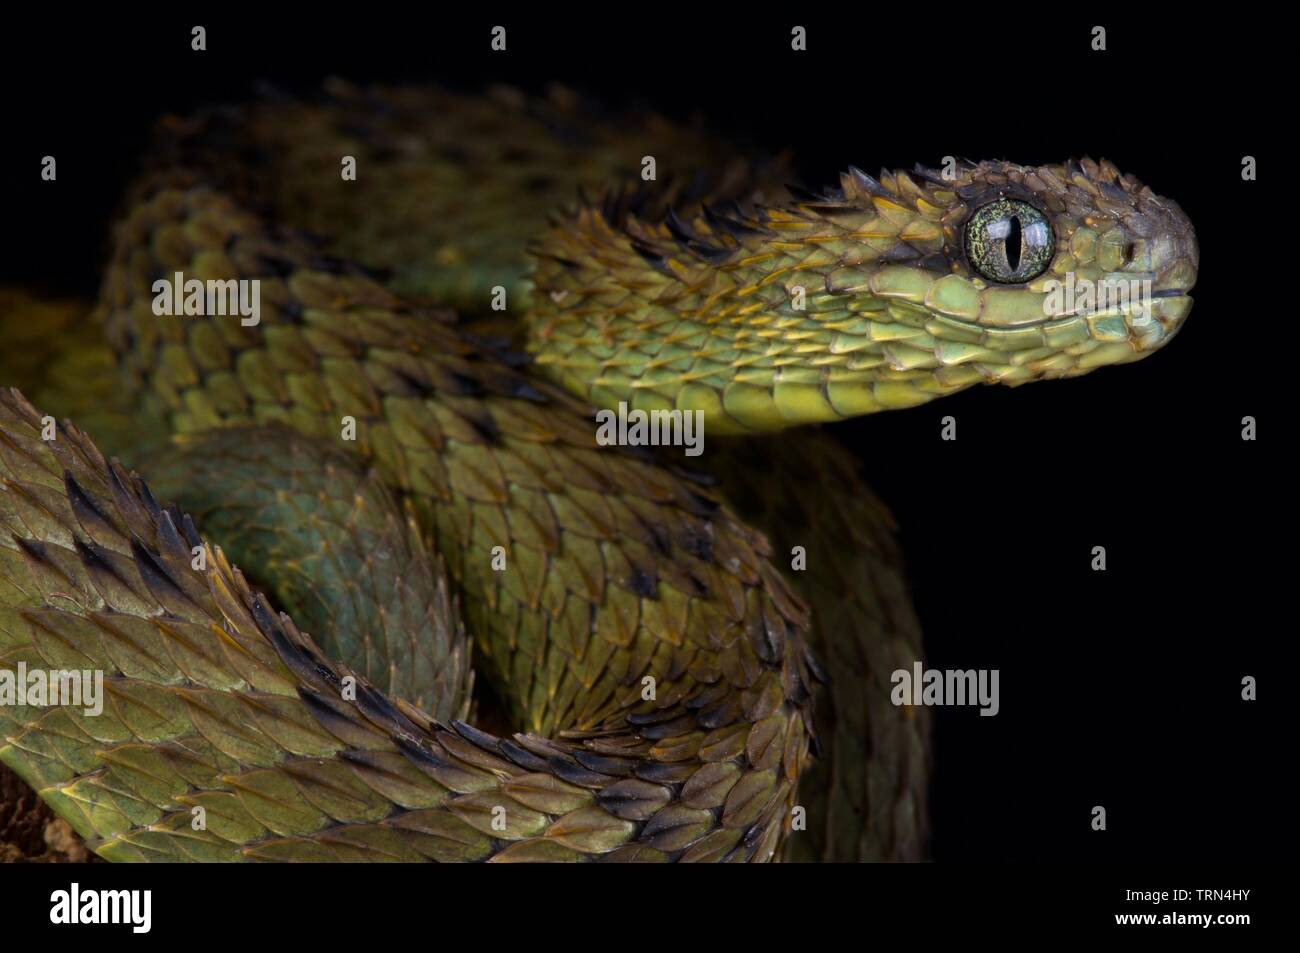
(736, 229)
(799, 693)
(694, 243)
(379, 707)
(643, 584)
(519, 387)
(660, 540)
(569, 770)
(868, 184)
(815, 747)
(718, 715)
(154, 574)
(618, 767)
(712, 254)
(267, 622)
(415, 386)
(150, 502)
(698, 545)
(304, 665)
(82, 506)
(33, 548)
(474, 736)
(466, 385)
(659, 772)
(93, 556)
(679, 229)
(830, 210)
(501, 348)
(1114, 192)
(768, 643)
(487, 429)
(522, 756)
(641, 200)
(416, 751)
(702, 505)
(612, 208)
(819, 674)
(568, 264)
(190, 531)
(801, 194)
(170, 541)
(933, 176)
(652, 255)
(654, 716)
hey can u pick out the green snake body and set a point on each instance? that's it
(675, 694)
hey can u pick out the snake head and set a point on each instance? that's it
(882, 293)
(1001, 273)
(1085, 263)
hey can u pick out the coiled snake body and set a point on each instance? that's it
(659, 667)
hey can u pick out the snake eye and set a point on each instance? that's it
(1009, 241)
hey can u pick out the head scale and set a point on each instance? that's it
(882, 293)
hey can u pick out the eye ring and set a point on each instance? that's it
(1008, 241)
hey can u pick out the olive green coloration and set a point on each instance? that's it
(861, 301)
(348, 563)
(435, 511)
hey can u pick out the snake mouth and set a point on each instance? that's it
(1067, 343)
(1067, 319)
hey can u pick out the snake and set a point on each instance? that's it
(362, 582)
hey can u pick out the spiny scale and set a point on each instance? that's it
(849, 302)
(215, 702)
(707, 769)
(617, 568)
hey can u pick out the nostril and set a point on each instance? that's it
(1130, 251)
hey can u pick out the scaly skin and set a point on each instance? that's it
(865, 793)
(348, 563)
(450, 189)
(622, 571)
(670, 315)
(214, 703)
(617, 566)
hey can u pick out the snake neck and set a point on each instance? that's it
(794, 308)
(850, 303)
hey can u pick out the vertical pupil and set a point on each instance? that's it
(1013, 243)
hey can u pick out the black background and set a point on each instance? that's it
(1119, 688)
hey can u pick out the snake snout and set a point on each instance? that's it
(1163, 255)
